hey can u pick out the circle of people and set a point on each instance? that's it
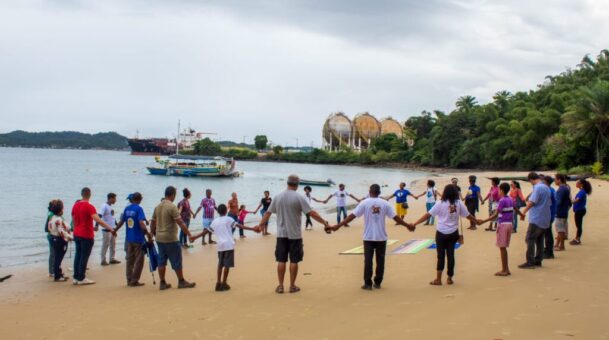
(159, 239)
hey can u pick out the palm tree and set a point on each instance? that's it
(589, 116)
(466, 103)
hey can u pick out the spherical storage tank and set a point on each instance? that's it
(337, 130)
(390, 125)
(365, 128)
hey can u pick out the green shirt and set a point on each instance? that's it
(165, 215)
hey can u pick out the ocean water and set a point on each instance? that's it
(30, 178)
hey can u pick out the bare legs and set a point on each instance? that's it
(281, 268)
(505, 270)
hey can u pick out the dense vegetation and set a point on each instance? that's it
(208, 147)
(562, 124)
(65, 139)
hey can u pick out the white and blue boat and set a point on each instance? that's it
(194, 166)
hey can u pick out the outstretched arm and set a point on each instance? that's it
(400, 221)
(241, 226)
(349, 218)
(192, 238)
(314, 215)
(355, 198)
(183, 226)
(265, 218)
(97, 219)
(390, 197)
(423, 218)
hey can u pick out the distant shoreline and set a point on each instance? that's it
(60, 148)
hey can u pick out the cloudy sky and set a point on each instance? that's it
(245, 67)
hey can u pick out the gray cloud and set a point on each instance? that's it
(277, 67)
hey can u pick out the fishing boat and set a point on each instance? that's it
(325, 183)
(194, 166)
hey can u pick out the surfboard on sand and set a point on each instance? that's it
(412, 246)
(359, 250)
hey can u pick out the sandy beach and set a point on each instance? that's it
(567, 298)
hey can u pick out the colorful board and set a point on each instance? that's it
(360, 249)
(433, 246)
(412, 246)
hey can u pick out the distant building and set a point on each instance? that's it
(341, 132)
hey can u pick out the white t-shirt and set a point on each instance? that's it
(429, 196)
(341, 198)
(222, 227)
(374, 210)
(107, 216)
(448, 215)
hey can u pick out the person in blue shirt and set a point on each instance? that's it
(579, 208)
(563, 204)
(401, 200)
(472, 200)
(548, 248)
(539, 204)
(135, 219)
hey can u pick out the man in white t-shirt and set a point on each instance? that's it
(341, 202)
(108, 239)
(223, 228)
(375, 210)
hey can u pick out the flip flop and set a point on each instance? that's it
(435, 283)
(279, 290)
(294, 289)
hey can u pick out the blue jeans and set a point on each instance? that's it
(515, 221)
(183, 237)
(236, 219)
(340, 210)
(431, 220)
(81, 257)
(51, 253)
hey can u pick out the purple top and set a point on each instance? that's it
(506, 210)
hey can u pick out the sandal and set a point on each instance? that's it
(575, 242)
(436, 282)
(502, 274)
(294, 289)
(279, 289)
(449, 281)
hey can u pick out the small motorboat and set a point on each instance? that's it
(326, 183)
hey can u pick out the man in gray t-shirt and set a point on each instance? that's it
(289, 207)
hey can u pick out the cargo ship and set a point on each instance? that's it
(152, 146)
(165, 146)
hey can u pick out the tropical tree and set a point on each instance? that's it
(588, 117)
(208, 147)
(260, 141)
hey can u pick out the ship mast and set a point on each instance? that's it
(178, 139)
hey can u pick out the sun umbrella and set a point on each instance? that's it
(153, 258)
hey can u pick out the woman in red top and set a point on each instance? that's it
(518, 199)
(493, 198)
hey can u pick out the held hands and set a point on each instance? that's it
(411, 226)
(257, 229)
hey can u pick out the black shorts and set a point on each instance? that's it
(286, 247)
(472, 206)
(226, 258)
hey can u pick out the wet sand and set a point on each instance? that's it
(567, 298)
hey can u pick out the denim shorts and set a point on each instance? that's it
(172, 252)
(207, 222)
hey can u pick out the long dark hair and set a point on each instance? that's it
(450, 194)
(516, 184)
(586, 186)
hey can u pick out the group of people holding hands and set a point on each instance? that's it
(543, 207)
